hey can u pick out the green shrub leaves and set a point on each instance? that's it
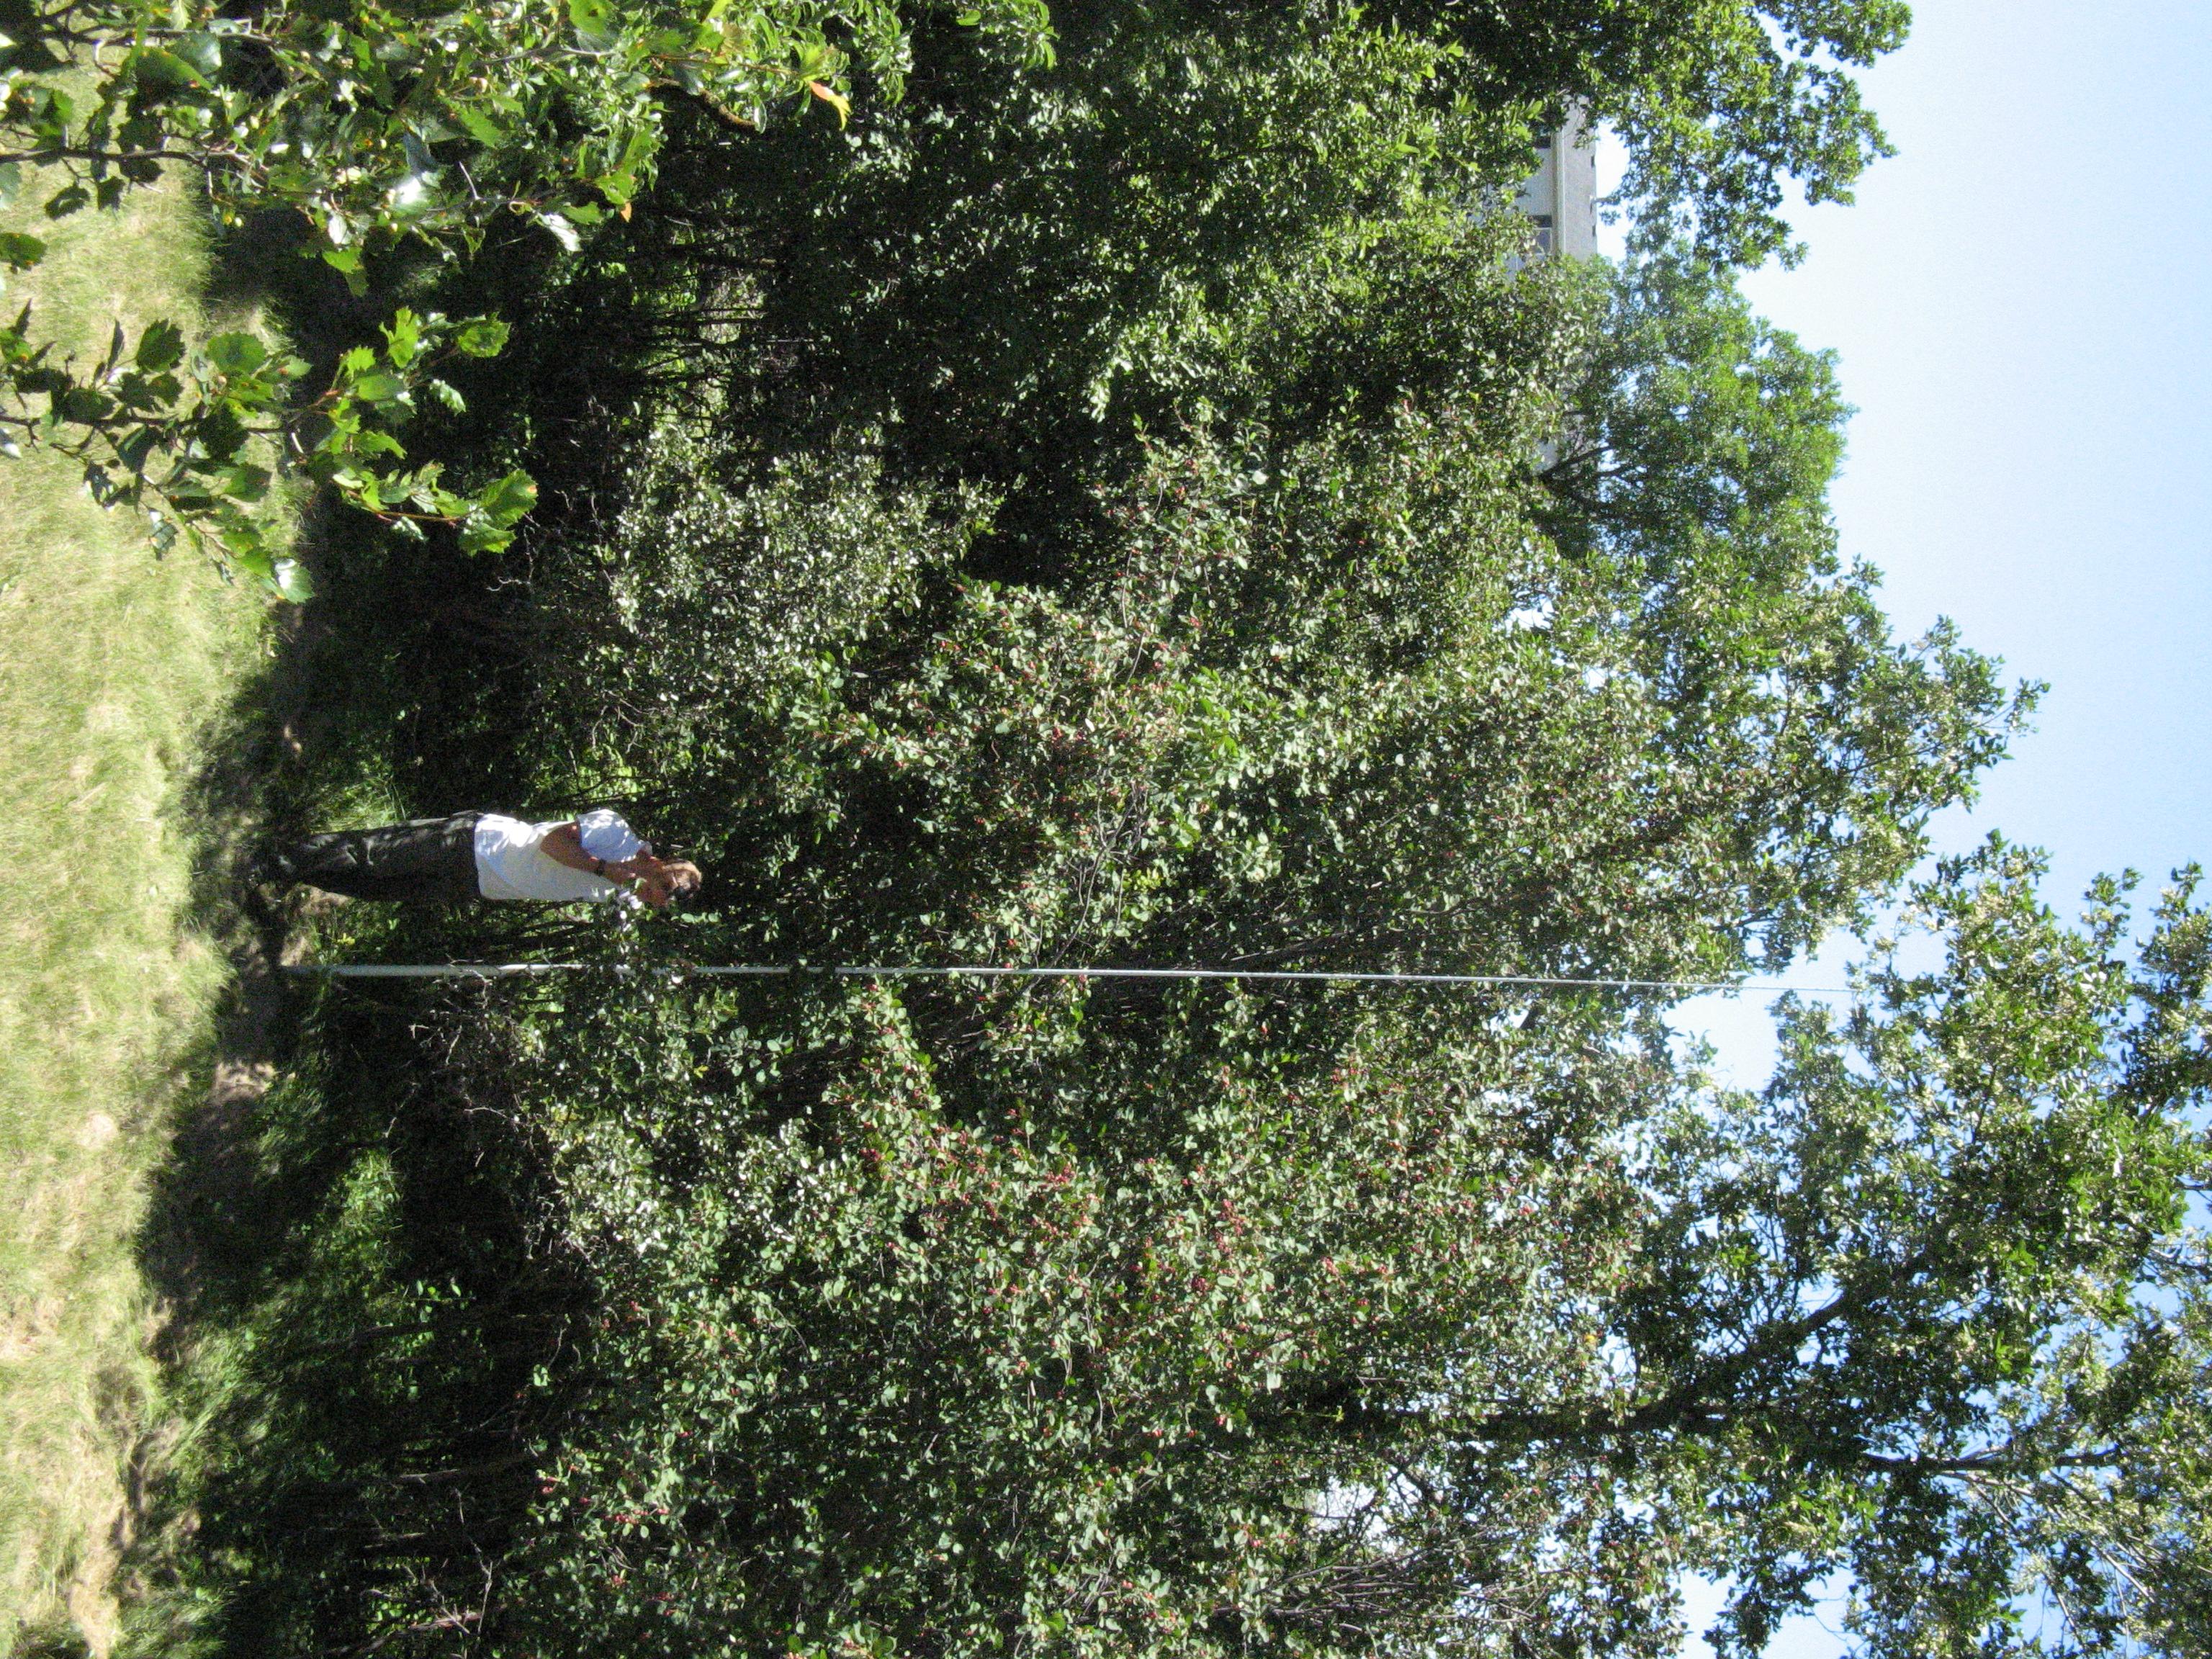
(166, 431)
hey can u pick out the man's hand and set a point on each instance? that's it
(564, 844)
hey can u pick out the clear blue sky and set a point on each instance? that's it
(2021, 300)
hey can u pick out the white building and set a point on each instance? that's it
(1561, 195)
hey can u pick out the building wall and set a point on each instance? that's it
(1561, 195)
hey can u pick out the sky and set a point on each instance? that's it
(2021, 303)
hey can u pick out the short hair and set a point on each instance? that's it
(683, 877)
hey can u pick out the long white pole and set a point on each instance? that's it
(791, 970)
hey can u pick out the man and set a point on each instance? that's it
(483, 855)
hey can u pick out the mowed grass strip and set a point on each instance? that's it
(109, 661)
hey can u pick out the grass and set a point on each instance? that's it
(110, 663)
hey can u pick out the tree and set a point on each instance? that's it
(1723, 105)
(1329, 1323)
(1695, 449)
(1240, 151)
(216, 413)
(1363, 557)
(1932, 1306)
(379, 125)
(1099, 1320)
(1388, 602)
(1007, 278)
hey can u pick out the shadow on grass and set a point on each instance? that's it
(354, 1250)
(365, 1291)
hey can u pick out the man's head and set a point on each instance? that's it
(665, 881)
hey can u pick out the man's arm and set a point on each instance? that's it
(564, 844)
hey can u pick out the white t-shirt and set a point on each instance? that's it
(512, 863)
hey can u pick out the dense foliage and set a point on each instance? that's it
(385, 127)
(380, 126)
(1147, 509)
(379, 122)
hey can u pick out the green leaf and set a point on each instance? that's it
(67, 200)
(403, 337)
(482, 536)
(594, 19)
(292, 581)
(246, 483)
(482, 336)
(12, 182)
(236, 353)
(482, 127)
(84, 405)
(203, 52)
(249, 555)
(19, 252)
(421, 163)
(378, 388)
(507, 500)
(221, 435)
(155, 66)
(160, 347)
(413, 196)
(147, 392)
(236, 531)
(134, 449)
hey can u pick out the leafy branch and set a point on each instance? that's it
(380, 125)
(182, 436)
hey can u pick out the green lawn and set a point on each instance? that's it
(111, 661)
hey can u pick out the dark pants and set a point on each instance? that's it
(427, 861)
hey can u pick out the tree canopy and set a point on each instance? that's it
(1237, 133)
